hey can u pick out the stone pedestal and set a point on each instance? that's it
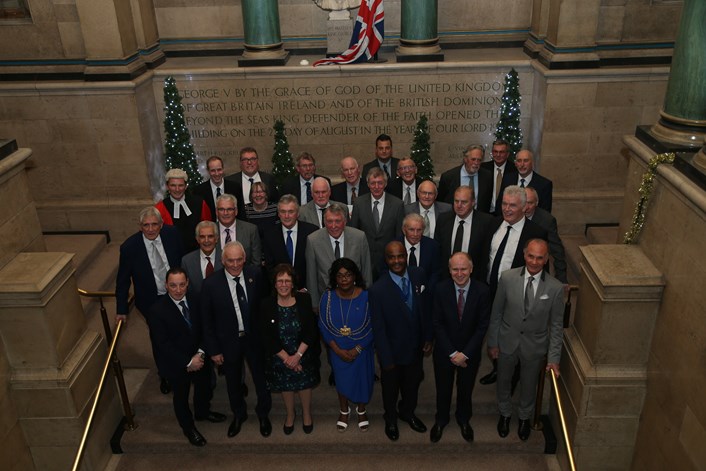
(604, 366)
(339, 28)
(55, 363)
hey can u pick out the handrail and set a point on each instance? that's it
(565, 431)
(89, 422)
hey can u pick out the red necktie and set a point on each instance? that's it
(459, 305)
(209, 267)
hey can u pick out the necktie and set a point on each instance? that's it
(529, 295)
(209, 267)
(337, 250)
(493, 280)
(408, 196)
(384, 167)
(290, 247)
(406, 292)
(252, 180)
(376, 215)
(228, 239)
(412, 257)
(159, 266)
(459, 304)
(322, 216)
(308, 191)
(522, 182)
(243, 302)
(427, 229)
(458, 242)
(185, 312)
(498, 182)
(218, 191)
(353, 195)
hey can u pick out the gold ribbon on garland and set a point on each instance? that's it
(645, 191)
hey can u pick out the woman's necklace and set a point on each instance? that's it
(345, 330)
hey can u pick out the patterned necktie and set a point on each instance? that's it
(412, 257)
(529, 295)
(427, 224)
(308, 191)
(460, 304)
(290, 247)
(337, 250)
(159, 265)
(228, 239)
(376, 215)
(185, 312)
(458, 242)
(353, 195)
(209, 267)
(408, 196)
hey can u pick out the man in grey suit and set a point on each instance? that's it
(203, 261)
(332, 242)
(379, 215)
(545, 220)
(230, 229)
(312, 212)
(526, 323)
(427, 206)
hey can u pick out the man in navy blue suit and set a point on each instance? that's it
(403, 334)
(175, 328)
(422, 251)
(461, 315)
(230, 301)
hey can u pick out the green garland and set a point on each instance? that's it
(645, 190)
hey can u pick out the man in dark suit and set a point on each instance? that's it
(526, 176)
(548, 222)
(215, 186)
(230, 301)
(422, 251)
(145, 258)
(383, 158)
(300, 185)
(181, 210)
(379, 216)
(470, 174)
(249, 174)
(465, 230)
(428, 207)
(284, 241)
(461, 313)
(405, 186)
(353, 185)
(503, 170)
(230, 229)
(202, 262)
(175, 329)
(403, 335)
(526, 324)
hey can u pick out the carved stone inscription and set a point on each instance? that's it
(333, 117)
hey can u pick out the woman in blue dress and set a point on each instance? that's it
(344, 320)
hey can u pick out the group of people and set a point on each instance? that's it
(386, 265)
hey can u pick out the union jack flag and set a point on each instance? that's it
(368, 33)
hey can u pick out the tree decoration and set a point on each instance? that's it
(420, 151)
(508, 127)
(178, 151)
(645, 191)
(282, 165)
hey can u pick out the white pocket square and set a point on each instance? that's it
(544, 296)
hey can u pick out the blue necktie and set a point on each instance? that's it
(406, 293)
(290, 247)
(185, 312)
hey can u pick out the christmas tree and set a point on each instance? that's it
(178, 151)
(420, 151)
(282, 165)
(508, 127)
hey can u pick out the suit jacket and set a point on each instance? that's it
(399, 332)
(536, 332)
(546, 221)
(530, 231)
(275, 248)
(394, 161)
(266, 178)
(191, 263)
(509, 178)
(247, 234)
(542, 185)
(339, 191)
(185, 224)
(389, 229)
(451, 179)
(429, 261)
(308, 213)
(394, 187)
(174, 342)
(134, 265)
(292, 186)
(269, 324)
(439, 208)
(204, 191)
(220, 322)
(465, 336)
(477, 244)
(320, 256)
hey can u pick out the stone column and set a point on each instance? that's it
(419, 38)
(263, 43)
(604, 366)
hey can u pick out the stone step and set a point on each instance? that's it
(86, 247)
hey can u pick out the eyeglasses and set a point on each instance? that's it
(249, 160)
(225, 210)
(345, 275)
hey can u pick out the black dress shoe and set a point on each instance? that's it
(214, 417)
(503, 426)
(490, 378)
(436, 432)
(523, 431)
(164, 386)
(415, 424)
(195, 437)
(234, 428)
(265, 427)
(308, 428)
(466, 431)
(392, 432)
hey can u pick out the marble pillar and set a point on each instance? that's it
(263, 42)
(604, 365)
(419, 37)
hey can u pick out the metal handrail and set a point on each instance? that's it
(111, 351)
(565, 431)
